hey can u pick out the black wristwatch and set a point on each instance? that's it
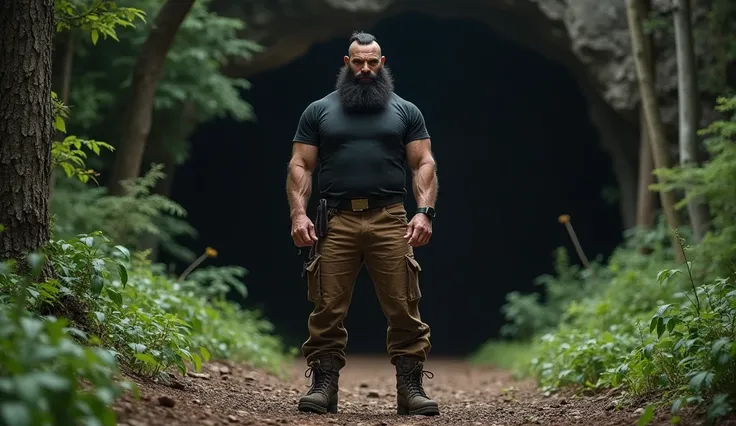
(429, 211)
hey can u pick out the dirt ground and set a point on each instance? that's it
(467, 395)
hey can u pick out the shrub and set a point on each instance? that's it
(105, 308)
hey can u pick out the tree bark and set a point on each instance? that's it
(26, 125)
(645, 198)
(146, 74)
(645, 202)
(657, 137)
(689, 109)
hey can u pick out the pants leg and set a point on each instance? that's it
(330, 280)
(395, 272)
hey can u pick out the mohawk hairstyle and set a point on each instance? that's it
(362, 38)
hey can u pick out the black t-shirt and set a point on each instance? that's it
(361, 154)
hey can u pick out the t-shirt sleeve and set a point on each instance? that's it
(307, 130)
(416, 128)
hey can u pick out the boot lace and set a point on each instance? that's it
(322, 377)
(413, 380)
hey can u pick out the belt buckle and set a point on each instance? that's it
(359, 204)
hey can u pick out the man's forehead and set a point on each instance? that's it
(372, 50)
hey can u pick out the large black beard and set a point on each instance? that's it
(364, 97)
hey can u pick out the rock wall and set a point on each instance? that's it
(589, 36)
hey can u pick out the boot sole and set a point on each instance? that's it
(431, 410)
(309, 407)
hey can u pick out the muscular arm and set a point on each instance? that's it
(299, 180)
(424, 172)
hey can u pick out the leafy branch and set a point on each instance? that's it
(100, 17)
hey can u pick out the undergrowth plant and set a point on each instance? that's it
(135, 317)
(50, 371)
(641, 324)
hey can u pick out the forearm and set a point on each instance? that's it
(298, 188)
(424, 182)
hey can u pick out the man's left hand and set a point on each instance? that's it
(419, 230)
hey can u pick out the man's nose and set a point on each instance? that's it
(365, 69)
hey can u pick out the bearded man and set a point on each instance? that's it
(362, 134)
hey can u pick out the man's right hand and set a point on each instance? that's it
(302, 231)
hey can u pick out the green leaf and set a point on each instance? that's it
(116, 297)
(59, 124)
(95, 36)
(660, 327)
(125, 252)
(205, 353)
(53, 382)
(703, 378)
(97, 284)
(16, 414)
(646, 416)
(147, 359)
(662, 309)
(197, 362)
(123, 271)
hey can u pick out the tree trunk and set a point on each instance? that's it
(645, 198)
(26, 124)
(645, 202)
(689, 109)
(146, 74)
(653, 118)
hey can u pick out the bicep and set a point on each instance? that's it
(419, 152)
(304, 155)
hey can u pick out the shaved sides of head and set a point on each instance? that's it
(361, 38)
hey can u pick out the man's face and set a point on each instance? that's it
(365, 62)
(364, 82)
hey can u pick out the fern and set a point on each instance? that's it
(128, 218)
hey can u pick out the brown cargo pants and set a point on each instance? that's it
(374, 238)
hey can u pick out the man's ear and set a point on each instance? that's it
(383, 60)
(346, 59)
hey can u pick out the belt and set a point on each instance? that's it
(367, 203)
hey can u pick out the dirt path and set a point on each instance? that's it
(467, 395)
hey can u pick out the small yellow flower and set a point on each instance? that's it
(564, 218)
(210, 252)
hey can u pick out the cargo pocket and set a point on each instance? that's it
(413, 269)
(314, 282)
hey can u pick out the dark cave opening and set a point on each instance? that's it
(514, 146)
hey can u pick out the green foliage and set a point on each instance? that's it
(49, 370)
(716, 43)
(691, 349)
(192, 89)
(638, 324)
(716, 183)
(64, 334)
(95, 16)
(132, 314)
(528, 315)
(68, 153)
(127, 218)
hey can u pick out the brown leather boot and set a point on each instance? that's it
(321, 397)
(410, 396)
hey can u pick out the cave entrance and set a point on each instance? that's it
(515, 148)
